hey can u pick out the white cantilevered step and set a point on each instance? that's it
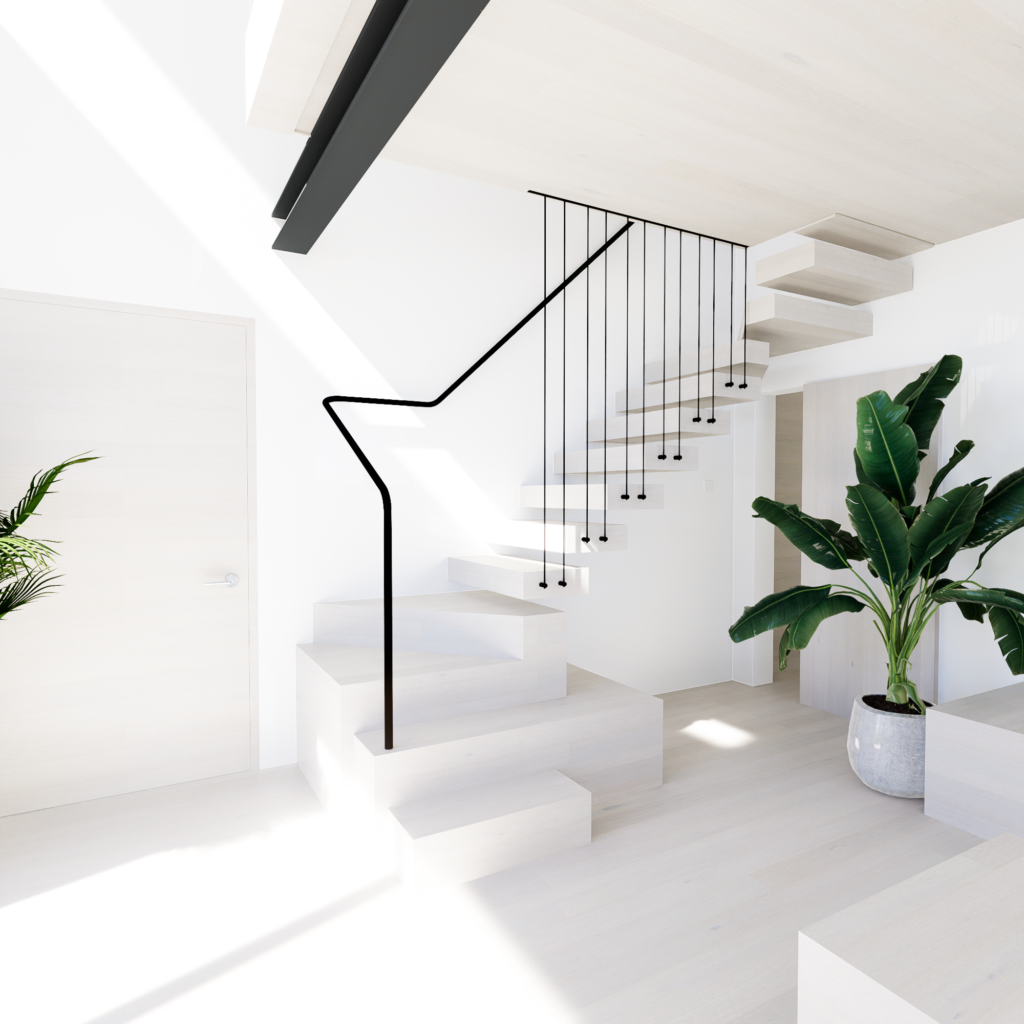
(690, 393)
(475, 832)
(471, 622)
(605, 736)
(864, 237)
(724, 362)
(554, 537)
(593, 461)
(426, 685)
(593, 496)
(676, 423)
(792, 324)
(835, 273)
(517, 577)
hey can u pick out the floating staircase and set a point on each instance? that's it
(499, 748)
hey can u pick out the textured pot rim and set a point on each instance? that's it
(890, 714)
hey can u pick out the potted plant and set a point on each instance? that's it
(25, 564)
(907, 548)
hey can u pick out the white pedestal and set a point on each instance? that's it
(974, 762)
(946, 945)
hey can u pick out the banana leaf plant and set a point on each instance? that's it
(905, 548)
(25, 564)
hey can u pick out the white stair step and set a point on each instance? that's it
(517, 577)
(535, 535)
(605, 736)
(594, 496)
(835, 273)
(678, 458)
(677, 423)
(669, 369)
(792, 324)
(864, 237)
(426, 685)
(476, 832)
(475, 623)
(690, 393)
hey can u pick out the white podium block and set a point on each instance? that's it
(974, 762)
(945, 945)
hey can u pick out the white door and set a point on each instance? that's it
(133, 674)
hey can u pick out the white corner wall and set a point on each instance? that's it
(131, 177)
(967, 299)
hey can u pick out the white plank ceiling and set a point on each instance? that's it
(740, 118)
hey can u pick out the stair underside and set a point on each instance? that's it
(535, 535)
(517, 577)
(852, 233)
(834, 273)
(724, 362)
(595, 496)
(791, 324)
(689, 392)
(678, 424)
(595, 462)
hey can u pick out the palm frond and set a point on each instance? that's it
(37, 490)
(27, 588)
(22, 554)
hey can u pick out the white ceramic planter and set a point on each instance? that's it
(887, 750)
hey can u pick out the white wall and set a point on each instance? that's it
(967, 299)
(129, 175)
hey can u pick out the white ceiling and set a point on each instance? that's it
(740, 118)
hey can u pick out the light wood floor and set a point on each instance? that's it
(237, 899)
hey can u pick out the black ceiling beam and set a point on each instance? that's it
(400, 50)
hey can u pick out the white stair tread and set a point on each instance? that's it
(859, 234)
(791, 324)
(629, 456)
(593, 496)
(521, 577)
(464, 807)
(353, 665)
(454, 602)
(535, 535)
(690, 393)
(678, 424)
(668, 369)
(834, 273)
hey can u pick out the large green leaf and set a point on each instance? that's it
(944, 519)
(776, 610)
(972, 612)
(994, 597)
(1001, 513)
(887, 447)
(923, 397)
(882, 531)
(798, 635)
(1008, 628)
(821, 540)
(960, 452)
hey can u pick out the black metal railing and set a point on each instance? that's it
(382, 487)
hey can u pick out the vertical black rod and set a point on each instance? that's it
(714, 322)
(565, 300)
(604, 532)
(642, 496)
(700, 294)
(745, 300)
(732, 307)
(585, 537)
(625, 496)
(679, 366)
(664, 335)
(544, 416)
(389, 654)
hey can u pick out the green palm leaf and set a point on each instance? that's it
(994, 597)
(821, 540)
(1001, 513)
(37, 489)
(960, 452)
(882, 531)
(776, 610)
(22, 591)
(887, 447)
(1008, 628)
(923, 397)
(798, 635)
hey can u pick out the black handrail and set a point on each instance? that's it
(389, 654)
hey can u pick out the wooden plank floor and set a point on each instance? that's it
(238, 899)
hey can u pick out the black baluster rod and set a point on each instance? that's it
(389, 725)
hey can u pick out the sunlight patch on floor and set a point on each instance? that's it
(718, 734)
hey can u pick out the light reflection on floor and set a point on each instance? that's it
(290, 919)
